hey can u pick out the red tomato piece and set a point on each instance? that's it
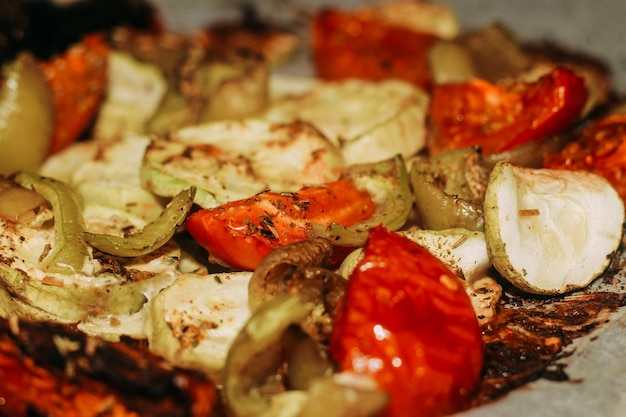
(500, 117)
(407, 321)
(78, 80)
(241, 233)
(361, 46)
(600, 148)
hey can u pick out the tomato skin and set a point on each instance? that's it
(407, 321)
(78, 80)
(361, 46)
(498, 118)
(600, 148)
(241, 233)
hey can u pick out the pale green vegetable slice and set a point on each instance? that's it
(233, 160)
(29, 292)
(449, 189)
(106, 173)
(256, 354)
(48, 272)
(68, 254)
(194, 321)
(424, 17)
(551, 231)
(369, 121)
(464, 251)
(152, 236)
(134, 92)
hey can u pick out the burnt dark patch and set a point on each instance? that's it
(527, 339)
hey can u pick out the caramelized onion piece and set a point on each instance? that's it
(18, 204)
(306, 363)
(269, 278)
(256, 385)
(256, 355)
(299, 269)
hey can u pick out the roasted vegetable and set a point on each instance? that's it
(500, 117)
(18, 204)
(26, 113)
(449, 189)
(257, 354)
(463, 251)
(48, 272)
(543, 227)
(52, 370)
(600, 148)
(233, 160)
(422, 17)
(134, 92)
(193, 322)
(407, 321)
(361, 45)
(495, 53)
(152, 236)
(387, 183)
(106, 173)
(243, 232)
(78, 80)
(301, 269)
(368, 121)
(450, 63)
(69, 253)
(202, 84)
(254, 386)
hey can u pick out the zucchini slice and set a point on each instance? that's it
(551, 231)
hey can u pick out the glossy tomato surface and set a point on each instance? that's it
(600, 148)
(500, 117)
(78, 80)
(358, 45)
(243, 232)
(407, 321)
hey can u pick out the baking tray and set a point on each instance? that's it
(597, 364)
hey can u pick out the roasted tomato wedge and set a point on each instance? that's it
(78, 80)
(407, 321)
(500, 117)
(361, 46)
(600, 148)
(241, 233)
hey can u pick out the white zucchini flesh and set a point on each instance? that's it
(369, 121)
(463, 251)
(551, 231)
(194, 321)
(233, 160)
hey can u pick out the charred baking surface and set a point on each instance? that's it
(528, 336)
